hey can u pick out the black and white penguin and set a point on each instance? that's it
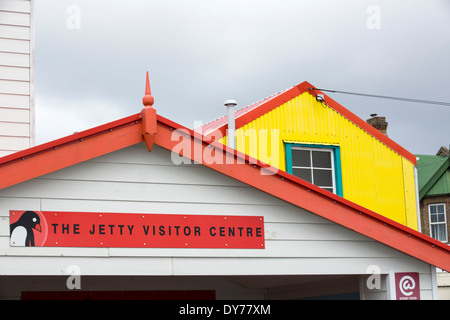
(22, 230)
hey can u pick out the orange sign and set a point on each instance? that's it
(95, 229)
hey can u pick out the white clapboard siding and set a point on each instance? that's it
(273, 249)
(15, 18)
(14, 32)
(130, 172)
(132, 180)
(16, 74)
(15, 5)
(15, 101)
(14, 129)
(15, 45)
(15, 115)
(14, 59)
(15, 87)
(14, 143)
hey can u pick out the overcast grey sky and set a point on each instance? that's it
(92, 55)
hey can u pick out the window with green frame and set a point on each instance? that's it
(315, 163)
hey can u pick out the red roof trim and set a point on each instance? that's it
(68, 139)
(256, 110)
(85, 145)
(251, 112)
(312, 198)
(365, 126)
(61, 153)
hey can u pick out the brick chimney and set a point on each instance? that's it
(378, 123)
(443, 151)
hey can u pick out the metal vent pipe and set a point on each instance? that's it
(230, 104)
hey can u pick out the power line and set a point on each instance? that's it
(447, 104)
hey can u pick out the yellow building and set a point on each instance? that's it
(306, 133)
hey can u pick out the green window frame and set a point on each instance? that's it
(317, 170)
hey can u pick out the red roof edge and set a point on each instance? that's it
(323, 203)
(67, 151)
(258, 109)
(243, 168)
(70, 138)
(251, 112)
(306, 87)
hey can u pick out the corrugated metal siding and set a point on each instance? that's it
(16, 67)
(442, 185)
(410, 194)
(131, 180)
(428, 169)
(373, 175)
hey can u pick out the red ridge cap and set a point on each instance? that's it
(256, 110)
(70, 138)
(306, 87)
(248, 170)
(305, 184)
(320, 202)
(251, 112)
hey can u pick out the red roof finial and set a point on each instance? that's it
(148, 99)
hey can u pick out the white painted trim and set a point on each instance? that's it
(434, 285)
(416, 181)
(390, 285)
(332, 169)
(32, 74)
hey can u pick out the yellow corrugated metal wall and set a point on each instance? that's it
(410, 194)
(373, 175)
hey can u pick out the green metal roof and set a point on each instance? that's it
(433, 175)
(442, 186)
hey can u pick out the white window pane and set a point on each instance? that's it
(439, 232)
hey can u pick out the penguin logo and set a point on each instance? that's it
(22, 233)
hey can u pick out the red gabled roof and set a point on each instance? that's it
(249, 113)
(61, 153)
(241, 114)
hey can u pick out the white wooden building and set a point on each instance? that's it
(314, 243)
(16, 76)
